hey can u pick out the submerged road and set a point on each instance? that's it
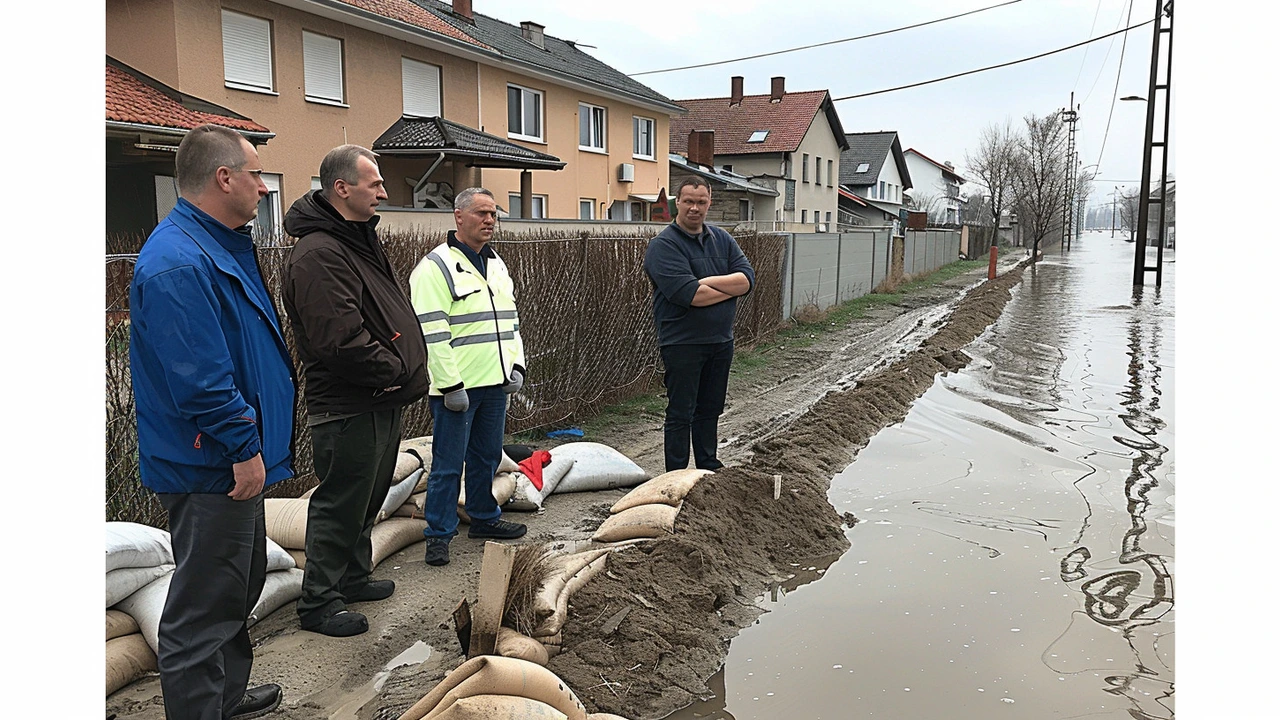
(1015, 555)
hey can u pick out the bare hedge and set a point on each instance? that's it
(585, 316)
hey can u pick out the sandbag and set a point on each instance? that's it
(123, 582)
(499, 707)
(278, 558)
(414, 507)
(642, 521)
(553, 624)
(281, 587)
(393, 535)
(507, 465)
(131, 545)
(287, 521)
(406, 463)
(597, 467)
(669, 488)
(504, 486)
(526, 497)
(496, 675)
(419, 447)
(544, 602)
(398, 494)
(514, 644)
(120, 624)
(145, 607)
(299, 558)
(128, 658)
(604, 716)
(310, 491)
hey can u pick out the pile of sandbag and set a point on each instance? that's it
(649, 510)
(139, 569)
(551, 607)
(489, 687)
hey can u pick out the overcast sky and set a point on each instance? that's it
(941, 120)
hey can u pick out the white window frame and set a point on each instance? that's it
(322, 69)
(590, 205)
(539, 203)
(636, 122)
(420, 88)
(597, 118)
(246, 53)
(525, 92)
(275, 223)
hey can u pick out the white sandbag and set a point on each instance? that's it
(123, 582)
(398, 494)
(497, 675)
(597, 467)
(128, 658)
(669, 488)
(278, 558)
(507, 465)
(307, 495)
(131, 545)
(526, 497)
(499, 707)
(511, 643)
(642, 521)
(287, 521)
(281, 587)
(406, 463)
(393, 535)
(120, 624)
(414, 507)
(145, 607)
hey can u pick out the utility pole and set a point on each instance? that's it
(1114, 191)
(1069, 116)
(1164, 8)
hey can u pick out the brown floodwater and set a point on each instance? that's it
(1015, 551)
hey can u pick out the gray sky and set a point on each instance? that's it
(940, 120)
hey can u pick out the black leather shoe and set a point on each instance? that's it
(257, 702)
(437, 551)
(374, 590)
(343, 623)
(497, 529)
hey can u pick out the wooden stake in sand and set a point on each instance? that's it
(495, 573)
(777, 486)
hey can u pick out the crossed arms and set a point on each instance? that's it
(718, 288)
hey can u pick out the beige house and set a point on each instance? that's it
(457, 98)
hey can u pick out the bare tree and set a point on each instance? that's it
(991, 166)
(1127, 211)
(1040, 178)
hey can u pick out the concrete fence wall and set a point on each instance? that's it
(927, 250)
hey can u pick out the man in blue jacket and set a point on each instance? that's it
(214, 390)
(698, 273)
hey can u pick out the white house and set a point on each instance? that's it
(936, 187)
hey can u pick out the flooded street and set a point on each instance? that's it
(1015, 551)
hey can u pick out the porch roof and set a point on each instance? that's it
(427, 136)
(135, 101)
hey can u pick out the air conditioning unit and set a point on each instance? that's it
(626, 172)
(821, 227)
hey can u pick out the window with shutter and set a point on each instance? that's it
(322, 67)
(421, 85)
(246, 52)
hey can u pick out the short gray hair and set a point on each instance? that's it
(463, 199)
(202, 152)
(341, 164)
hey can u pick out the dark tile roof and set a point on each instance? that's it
(426, 135)
(786, 120)
(872, 148)
(132, 97)
(559, 56)
(407, 12)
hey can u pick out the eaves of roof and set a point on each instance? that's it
(786, 121)
(731, 182)
(432, 135)
(945, 170)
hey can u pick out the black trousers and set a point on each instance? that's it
(220, 550)
(355, 459)
(697, 377)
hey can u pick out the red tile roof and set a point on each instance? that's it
(943, 168)
(407, 12)
(786, 120)
(131, 100)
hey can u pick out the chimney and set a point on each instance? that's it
(777, 89)
(735, 90)
(949, 165)
(702, 147)
(462, 8)
(532, 32)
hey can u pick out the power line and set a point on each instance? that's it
(993, 67)
(1120, 22)
(1115, 91)
(1083, 60)
(822, 44)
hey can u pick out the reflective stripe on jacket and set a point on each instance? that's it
(470, 324)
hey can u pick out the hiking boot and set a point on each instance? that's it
(437, 551)
(497, 529)
(343, 623)
(257, 702)
(374, 590)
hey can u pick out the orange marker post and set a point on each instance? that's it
(991, 266)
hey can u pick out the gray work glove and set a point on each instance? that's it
(512, 386)
(456, 400)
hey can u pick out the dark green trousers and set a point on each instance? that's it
(355, 459)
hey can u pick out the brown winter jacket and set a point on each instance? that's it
(355, 330)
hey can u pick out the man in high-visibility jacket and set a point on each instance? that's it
(464, 298)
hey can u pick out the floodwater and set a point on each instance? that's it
(1014, 557)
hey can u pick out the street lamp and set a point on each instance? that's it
(1133, 98)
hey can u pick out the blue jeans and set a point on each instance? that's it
(473, 437)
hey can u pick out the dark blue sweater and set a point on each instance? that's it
(675, 261)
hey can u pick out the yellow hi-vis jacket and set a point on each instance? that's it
(469, 323)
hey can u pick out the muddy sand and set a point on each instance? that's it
(643, 637)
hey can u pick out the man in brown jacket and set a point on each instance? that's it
(363, 360)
